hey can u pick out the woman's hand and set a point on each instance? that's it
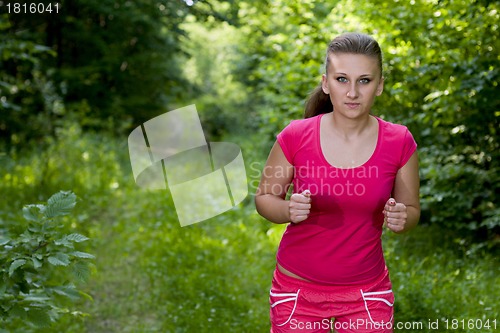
(299, 206)
(396, 216)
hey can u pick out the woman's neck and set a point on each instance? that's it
(348, 128)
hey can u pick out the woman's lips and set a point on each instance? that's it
(352, 105)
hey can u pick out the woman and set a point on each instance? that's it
(352, 173)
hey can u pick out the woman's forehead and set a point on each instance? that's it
(353, 64)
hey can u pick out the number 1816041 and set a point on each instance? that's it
(470, 324)
(33, 8)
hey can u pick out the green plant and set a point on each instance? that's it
(41, 266)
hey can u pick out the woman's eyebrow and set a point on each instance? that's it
(362, 75)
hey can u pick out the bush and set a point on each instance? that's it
(41, 266)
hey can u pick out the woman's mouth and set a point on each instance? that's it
(352, 106)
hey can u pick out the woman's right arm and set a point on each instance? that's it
(273, 187)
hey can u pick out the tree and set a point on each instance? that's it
(107, 61)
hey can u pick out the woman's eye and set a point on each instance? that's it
(342, 79)
(364, 81)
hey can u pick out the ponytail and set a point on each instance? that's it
(317, 103)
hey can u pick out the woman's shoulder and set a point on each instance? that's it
(394, 129)
(397, 137)
(300, 125)
(299, 131)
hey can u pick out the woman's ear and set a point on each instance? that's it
(380, 87)
(324, 84)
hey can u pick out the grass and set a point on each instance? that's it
(154, 276)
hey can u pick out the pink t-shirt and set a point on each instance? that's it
(340, 242)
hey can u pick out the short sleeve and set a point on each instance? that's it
(409, 147)
(286, 140)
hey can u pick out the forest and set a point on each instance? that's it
(83, 248)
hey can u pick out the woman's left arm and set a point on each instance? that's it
(403, 212)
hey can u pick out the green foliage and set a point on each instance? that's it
(27, 101)
(39, 267)
(458, 281)
(220, 98)
(105, 61)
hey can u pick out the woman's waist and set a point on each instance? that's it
(332, 269)
(300, 282)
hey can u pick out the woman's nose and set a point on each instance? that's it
(352, 92)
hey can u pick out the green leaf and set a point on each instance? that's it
(67, 291)
(4, 240)
(18, 311)
(59, 259)
(33, 212)
(64, 242)
(3, 287)
(34, 298)
(15, 265)
(82, 255)
(60, 204)
(81, 271)
(77, 238)
(36, 263)
(39, 317)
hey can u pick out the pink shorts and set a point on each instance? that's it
(302, 306)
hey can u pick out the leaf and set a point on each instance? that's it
(59, 259)
(77, 238)
(60, 204)
(39, 317)
(82, 255)
(15, 265)
(64, 242)
(67, 291)
(33, 212)
(36, 263)
(18, 311)
(3, 287)
(81, 271)
(4, 240)
(34, 298)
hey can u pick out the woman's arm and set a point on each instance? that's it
(274, 183)
(405, 213)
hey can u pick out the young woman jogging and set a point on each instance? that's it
(352, 174)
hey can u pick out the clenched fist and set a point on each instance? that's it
(300, 206)
(395, 215)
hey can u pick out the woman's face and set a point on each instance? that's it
(352, 81)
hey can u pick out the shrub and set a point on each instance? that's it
(41, 266)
